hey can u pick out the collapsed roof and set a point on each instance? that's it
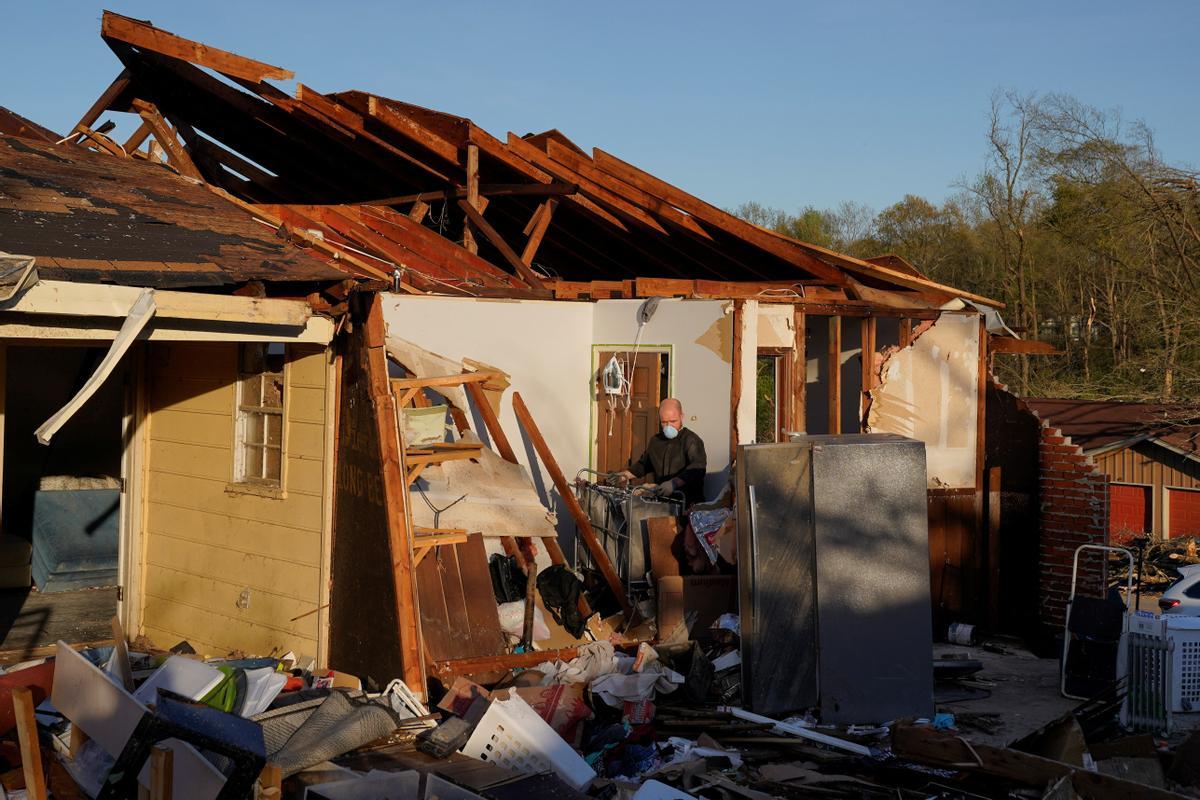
(88, 217)
(398, 191)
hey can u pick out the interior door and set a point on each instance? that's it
(622, 433)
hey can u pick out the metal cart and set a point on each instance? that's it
(618, 515)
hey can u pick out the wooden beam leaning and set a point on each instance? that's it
(564, 490)
(164, 134)
(834, 386)
(147, 37)
(102, 104)
(27, 738)
(527, 274)
(491, 422)
(539, 230)
(714, 216)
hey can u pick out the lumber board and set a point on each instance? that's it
(492, 235)
(103, 103)
(27, 738)
(564, 490)
(929, 746)
(147, 37)
(714, 216)
(166, 137)
(540, 226)
(405, 125)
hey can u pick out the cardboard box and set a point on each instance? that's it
(709, 596)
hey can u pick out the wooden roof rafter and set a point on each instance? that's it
(144, 36)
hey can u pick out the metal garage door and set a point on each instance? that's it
(1183, 512)
(1129, 509)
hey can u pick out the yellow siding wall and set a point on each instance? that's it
(205, 544)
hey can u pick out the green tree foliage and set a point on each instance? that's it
(1077, 224)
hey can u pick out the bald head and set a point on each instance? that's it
(670, 412)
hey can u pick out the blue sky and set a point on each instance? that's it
(789, 104)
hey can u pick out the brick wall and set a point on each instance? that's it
(1074, 511)
(1073, 505)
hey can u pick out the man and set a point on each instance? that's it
(675, 456)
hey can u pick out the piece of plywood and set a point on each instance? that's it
(459, 616)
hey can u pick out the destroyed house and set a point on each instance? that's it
(458, 404)
(167, 409)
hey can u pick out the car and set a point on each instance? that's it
(1182, 598)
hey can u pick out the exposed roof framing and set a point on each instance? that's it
(398, 188)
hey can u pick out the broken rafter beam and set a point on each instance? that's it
(103, 103)
(166, 137)
(546, 211)
(145, 36)
(485, 190)
(527, 274)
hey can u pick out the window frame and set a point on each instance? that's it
(246, 412)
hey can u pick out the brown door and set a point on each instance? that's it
(622, 434)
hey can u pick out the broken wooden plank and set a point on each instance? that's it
(103, 103)
(165, 136)
(145, 36)
(928, 746)
(546, 211)
(27, 738)
(577, 513)
(527, 274)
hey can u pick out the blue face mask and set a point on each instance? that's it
(670, 431)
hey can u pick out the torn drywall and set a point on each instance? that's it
(930, 391)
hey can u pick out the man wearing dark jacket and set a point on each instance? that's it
(675, 456)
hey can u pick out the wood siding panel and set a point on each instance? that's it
(207, 542)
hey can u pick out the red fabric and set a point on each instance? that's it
(1183, 512)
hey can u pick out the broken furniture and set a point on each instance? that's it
(834, 577)
(239, 740)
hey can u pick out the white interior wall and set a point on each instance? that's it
(699, 336)
(544, 346)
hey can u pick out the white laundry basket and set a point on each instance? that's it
(513, 735)
(1185, 633)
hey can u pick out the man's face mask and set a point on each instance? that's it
(670, 431)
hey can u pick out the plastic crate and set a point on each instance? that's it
(512, 735)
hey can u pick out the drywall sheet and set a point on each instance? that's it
(930, 392)
(543, 346)
(491, 496)
(776, 325)
(698, 334)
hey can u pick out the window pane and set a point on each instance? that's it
(274, 429)
(274, 356)
(272, 390)
(254, 428)
(254, 462)
(274, 467)
(252, 390)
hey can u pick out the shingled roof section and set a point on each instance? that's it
(1096, 424)
(95, 218)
